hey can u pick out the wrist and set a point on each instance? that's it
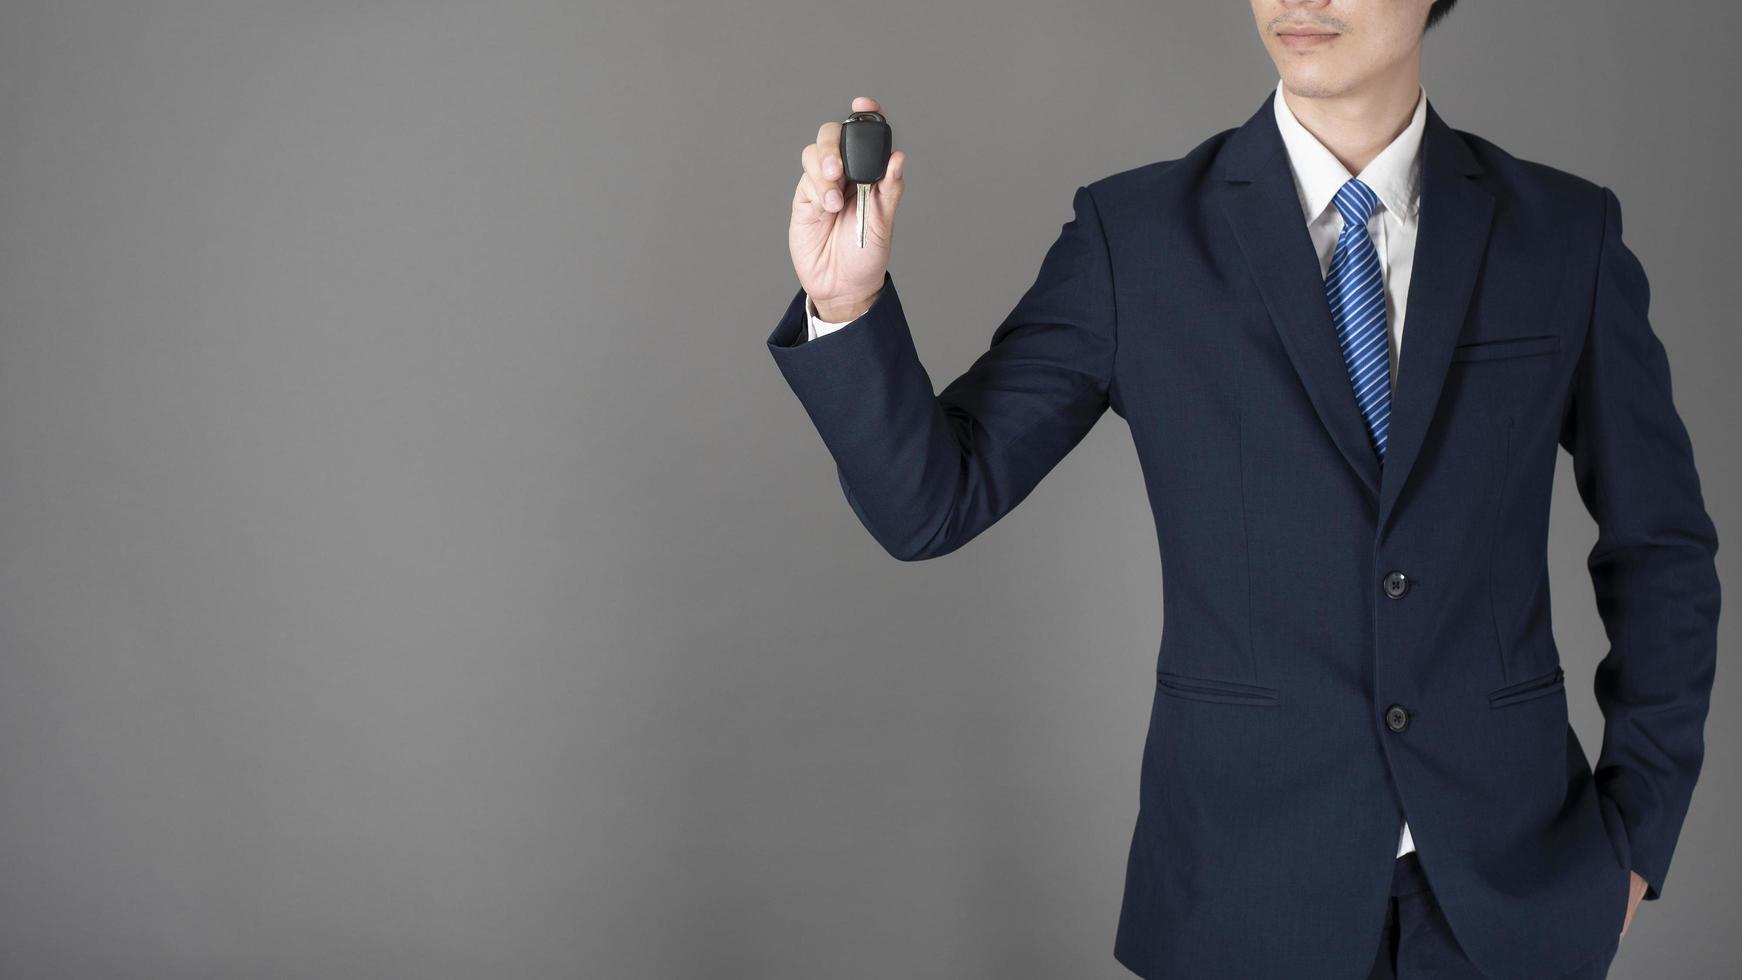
(842, 310)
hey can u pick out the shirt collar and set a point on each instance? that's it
(1394, 174)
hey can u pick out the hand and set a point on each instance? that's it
(824, 233)
(1636, 891)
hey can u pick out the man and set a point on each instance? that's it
(1358, 760)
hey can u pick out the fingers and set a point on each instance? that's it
(822, 163)
(814, 190)
(823, 186)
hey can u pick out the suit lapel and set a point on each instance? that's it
(1261, 205)
(1450, 238)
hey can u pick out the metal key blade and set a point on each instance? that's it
(864, 196)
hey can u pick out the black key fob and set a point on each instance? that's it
(865, 147)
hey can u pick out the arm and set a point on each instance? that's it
(1652, 566)
(926, 473)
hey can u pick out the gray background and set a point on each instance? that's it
(413, 565)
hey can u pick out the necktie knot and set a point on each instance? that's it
(1356, 201)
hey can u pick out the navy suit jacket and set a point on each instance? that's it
(1302, 707)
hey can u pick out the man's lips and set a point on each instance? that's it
(1305, 37)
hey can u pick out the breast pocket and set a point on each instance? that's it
(1487, 350)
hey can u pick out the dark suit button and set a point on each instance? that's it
(1396, 718)
(1396, 584)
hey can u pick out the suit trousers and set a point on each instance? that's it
(1417, 942)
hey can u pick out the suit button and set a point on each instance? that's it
(1396, 718)
(1396, 584)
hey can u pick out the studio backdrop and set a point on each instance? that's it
(412, 563)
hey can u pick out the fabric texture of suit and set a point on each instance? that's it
(1307, 697)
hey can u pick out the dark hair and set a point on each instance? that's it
(1439, 10)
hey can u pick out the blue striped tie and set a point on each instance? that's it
(1356, 292)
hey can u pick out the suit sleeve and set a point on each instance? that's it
(926, 473)
(1652, 567)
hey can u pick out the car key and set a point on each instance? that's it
(865, 148)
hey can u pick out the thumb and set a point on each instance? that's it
(890, 187)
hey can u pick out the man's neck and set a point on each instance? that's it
(1356, 126)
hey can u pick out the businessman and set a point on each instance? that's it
(1358, 761)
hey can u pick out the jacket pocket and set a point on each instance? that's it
(1528, 689)
(1210, 689)
(1506, 347)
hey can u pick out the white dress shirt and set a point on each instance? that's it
(1394, 176)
